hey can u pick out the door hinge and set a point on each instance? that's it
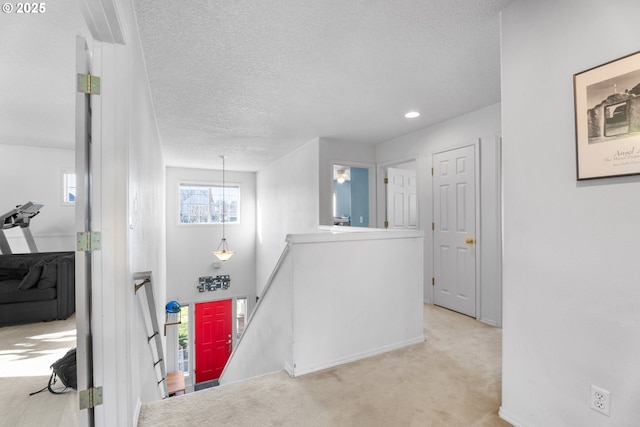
(433, 281)
(89, 84)
(386, 180)
(433, 226)
(431, 171)
(88, 241)
(386, 224)
(90, 398)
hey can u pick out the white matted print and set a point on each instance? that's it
(607, 113)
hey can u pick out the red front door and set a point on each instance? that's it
(213, 339)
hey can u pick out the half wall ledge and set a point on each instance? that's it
(346, 234)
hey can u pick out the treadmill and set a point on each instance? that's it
(19, 217)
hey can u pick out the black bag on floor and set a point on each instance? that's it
(64, 369)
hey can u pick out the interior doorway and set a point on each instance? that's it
(353, 195)
(455, 225)
(350, 196)
(401, 195)
(402, 198)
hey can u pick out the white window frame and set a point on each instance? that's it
(64, 187)
(190, 347)
(236, 333)
(211, 184)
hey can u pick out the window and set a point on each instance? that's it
(202, 204)
(68, 187)
(183, 340)
(241, 316)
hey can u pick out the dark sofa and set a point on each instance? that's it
(37, 287)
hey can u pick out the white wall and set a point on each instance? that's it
(288, 202)
(483, 125)
(313, 317)
(342, 152)
(190, 247)
(35, 173)
(368, 302)
(571, 292)
(145, 216)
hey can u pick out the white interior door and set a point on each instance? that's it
(454, 214)
(402, 200)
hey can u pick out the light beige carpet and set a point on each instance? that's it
(453, 379)
(26, 354)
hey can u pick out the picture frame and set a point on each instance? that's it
(607, 119)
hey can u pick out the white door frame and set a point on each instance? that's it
(476, 144)
(84, 297)
(499, 225)
(106, 27)
(372, 187)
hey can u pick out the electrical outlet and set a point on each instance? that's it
(600, 400)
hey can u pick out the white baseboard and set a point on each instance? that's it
(224, 383)
(136, 412)
(502, 413)
(296, 372)
(489, 321)
(288, 369)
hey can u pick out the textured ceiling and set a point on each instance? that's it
(252, 80)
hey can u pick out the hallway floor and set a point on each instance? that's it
(26, 355)
(453, 379)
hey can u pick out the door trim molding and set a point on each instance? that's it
(103, 20)
(371, 167)
(86, 330)
(476, 143)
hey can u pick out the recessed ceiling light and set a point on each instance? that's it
(412, 115)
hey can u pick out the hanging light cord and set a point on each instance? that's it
(223, 253)
(224, 190)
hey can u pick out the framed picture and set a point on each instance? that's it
(607, 114)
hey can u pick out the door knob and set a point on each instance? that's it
(470, 240)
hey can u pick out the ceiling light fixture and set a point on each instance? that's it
(223, 253)
(412, 115)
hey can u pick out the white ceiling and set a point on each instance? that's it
(253, 80)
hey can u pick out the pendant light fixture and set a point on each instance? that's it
(223, 253)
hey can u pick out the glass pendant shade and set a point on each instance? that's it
(223, 253)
